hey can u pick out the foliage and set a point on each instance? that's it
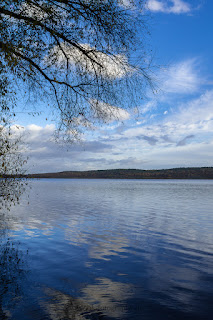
(11, 160)
(84, 56)
(11, 164)
(178, 173)
(12, 270)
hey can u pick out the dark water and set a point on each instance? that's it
(108, 249)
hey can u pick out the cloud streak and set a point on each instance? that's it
(173, 6)
(174, 129)
(184, 138)
(183, 142)
(181, 78)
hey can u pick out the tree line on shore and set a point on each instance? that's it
(175, 173)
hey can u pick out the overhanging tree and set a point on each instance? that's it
(11, 165)
(86, 57)
(11, 160)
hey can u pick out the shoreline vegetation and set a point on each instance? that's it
(175, 173)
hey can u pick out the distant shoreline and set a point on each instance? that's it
(175, 173)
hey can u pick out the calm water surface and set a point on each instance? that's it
(108, 249)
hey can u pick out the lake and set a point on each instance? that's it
(108, 249)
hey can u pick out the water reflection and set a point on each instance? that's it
(110, 296)
(62, 306)
(105, 247)
(115, 250)
(12, 274)
(104, 299)
(59, 305)
(11, 190)
(12, 258)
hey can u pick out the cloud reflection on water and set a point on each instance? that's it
(103, 300)
(105, 245)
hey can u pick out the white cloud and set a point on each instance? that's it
(178, 140)
(174, 140)
(194, 117)
(149, 106)
(181, 78)
(155, 5)
(127, 4)
(94, 61)
(197, 113)
(193, 155)
(32, 10)
(181, 135)
(172, 6)
(108, 113)
(177, 81)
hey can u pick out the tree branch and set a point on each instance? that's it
(48, 29)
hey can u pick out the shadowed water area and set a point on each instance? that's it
(108, 249)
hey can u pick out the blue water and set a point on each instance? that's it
(108, 249)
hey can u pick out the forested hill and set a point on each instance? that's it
(177, 173)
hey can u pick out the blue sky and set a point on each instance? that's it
(175, 126)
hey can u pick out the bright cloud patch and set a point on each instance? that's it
(91, 60)
(173, 6)
(191, 121)
(181, 78)
(107, 113)
(198, 112)
(174, 129)
(182, 138)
